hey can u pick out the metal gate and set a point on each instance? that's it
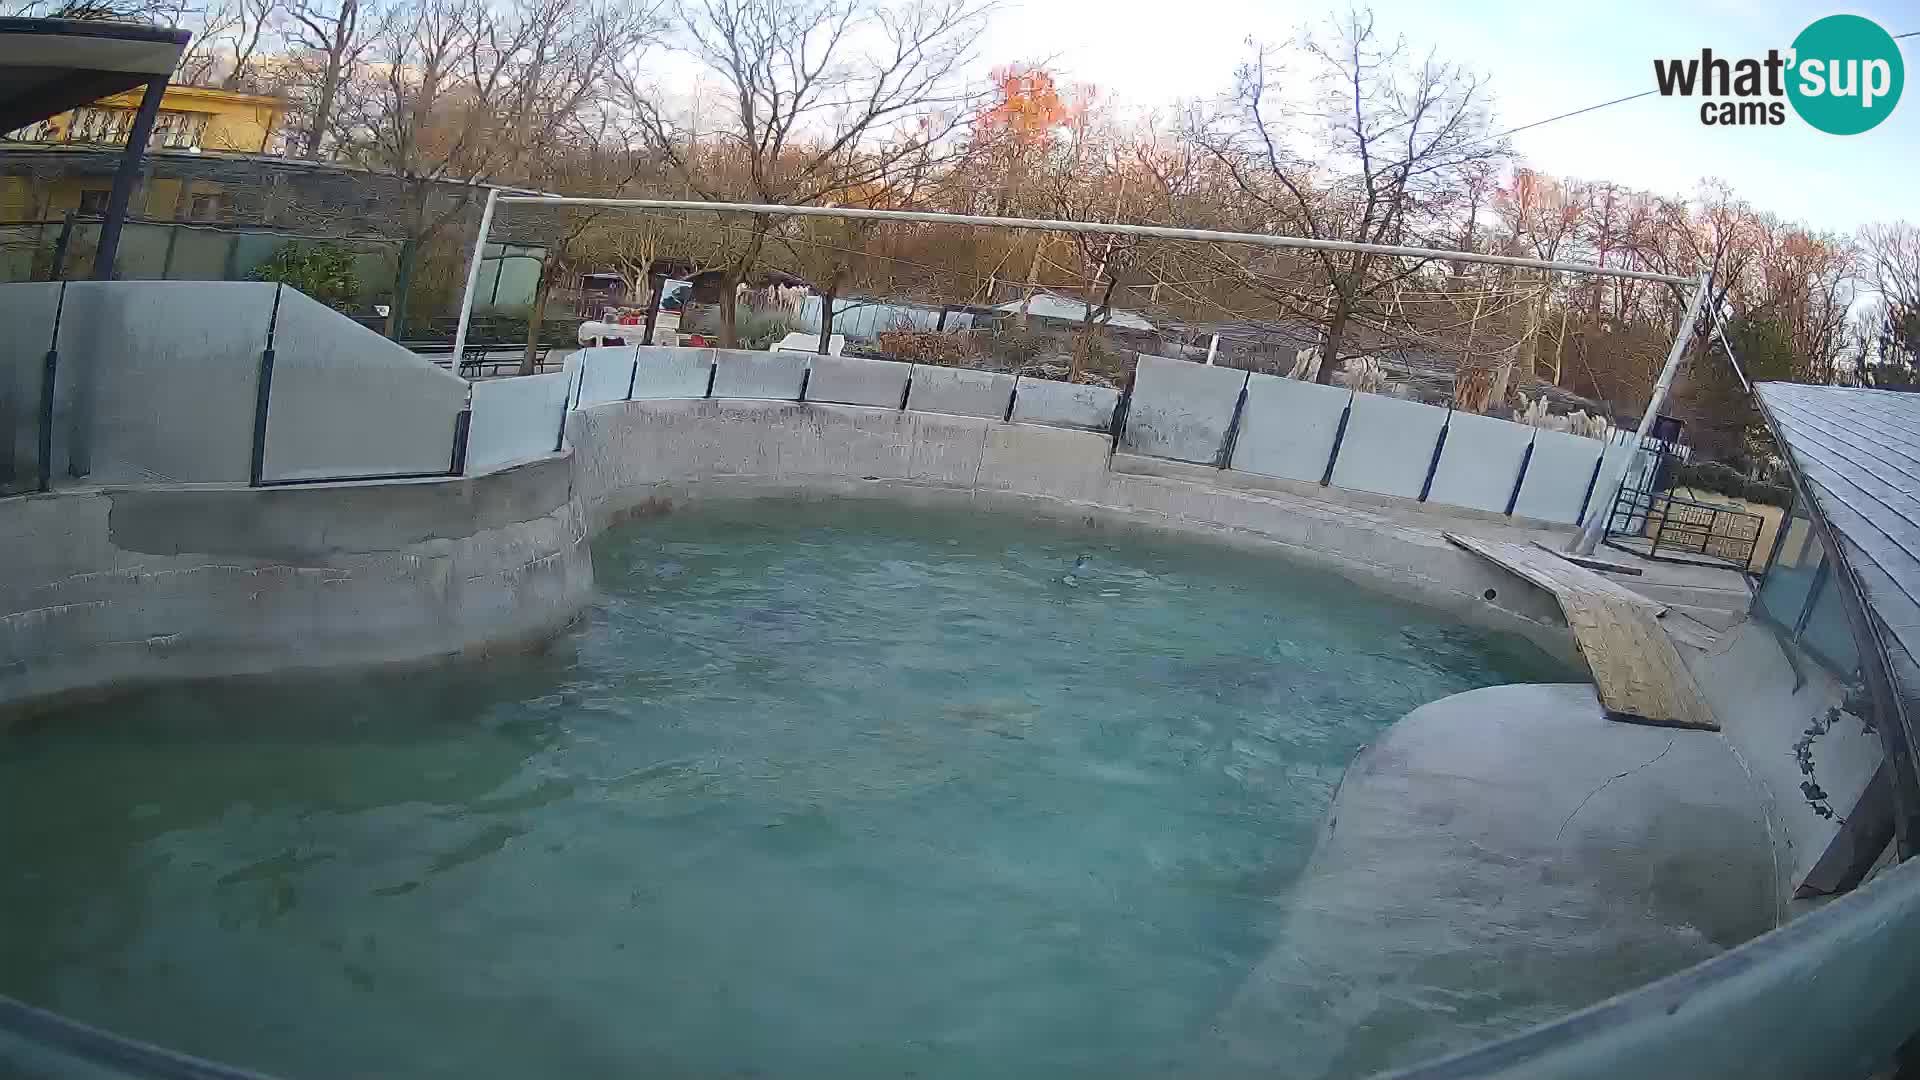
(1654, 523)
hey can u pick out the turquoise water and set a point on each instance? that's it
(815, 790)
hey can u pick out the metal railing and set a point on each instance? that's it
(1661, 525)
(1648, 520)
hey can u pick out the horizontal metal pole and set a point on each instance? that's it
(1163, 232)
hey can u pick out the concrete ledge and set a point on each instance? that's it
(110, 588)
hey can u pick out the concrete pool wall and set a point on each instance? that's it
(116, 586)
(638, 455)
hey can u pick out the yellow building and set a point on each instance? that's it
(191, 119)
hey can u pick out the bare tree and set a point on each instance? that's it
(334, 34)
(1890, 266)
(825, 96)
(465, 91)
(1373, 162)
(227, 37)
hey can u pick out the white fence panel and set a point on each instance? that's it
(852, 380)
(347, 402)
(1287, 427)
(1180, 409)
(673, 373)
(1480, 462)
(960, 391)
(1061, 404)
(741, 374)
(26, 311)
(515, 419)
(605, 374)
(162, 377)
(1388, 445)
(1557, 477)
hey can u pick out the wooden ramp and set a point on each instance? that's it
(1636, 667)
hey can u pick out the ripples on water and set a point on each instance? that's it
(816, 789)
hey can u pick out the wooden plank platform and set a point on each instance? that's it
(1639, 672)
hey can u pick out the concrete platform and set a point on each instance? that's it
(1497, 859)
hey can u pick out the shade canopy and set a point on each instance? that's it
(49, 66)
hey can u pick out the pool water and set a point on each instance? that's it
(817, 789)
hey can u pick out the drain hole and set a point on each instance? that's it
(1488, 595)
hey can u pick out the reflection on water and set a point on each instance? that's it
(816, 790)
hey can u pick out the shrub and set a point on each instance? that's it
(1015, 347)
(322, 271)
(1772, 494)
(925, 347)
(759, 329)
(1724, 479)
(1714, 476)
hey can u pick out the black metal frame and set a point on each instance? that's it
(1721, 538)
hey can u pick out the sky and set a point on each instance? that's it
(1543, 58)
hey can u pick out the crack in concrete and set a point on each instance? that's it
(1610, 780)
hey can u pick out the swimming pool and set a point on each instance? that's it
(828, 789)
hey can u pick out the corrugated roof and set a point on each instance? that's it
(1857, 454)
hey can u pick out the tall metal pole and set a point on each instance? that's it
(122, 192)
(473, 279)
(1596, 526)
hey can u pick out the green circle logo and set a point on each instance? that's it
(1846, 74)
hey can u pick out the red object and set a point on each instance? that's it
(697, 341)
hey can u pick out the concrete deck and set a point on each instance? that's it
(1497, 859)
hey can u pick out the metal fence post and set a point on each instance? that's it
(1526, 459)
(1433, 463)
(48, 371)
(462, 424)
(61, 244)
(1118, 421)
(166, 261)
(1225, 458)
(263, 398)
(1587, 498)
(1339, 436)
